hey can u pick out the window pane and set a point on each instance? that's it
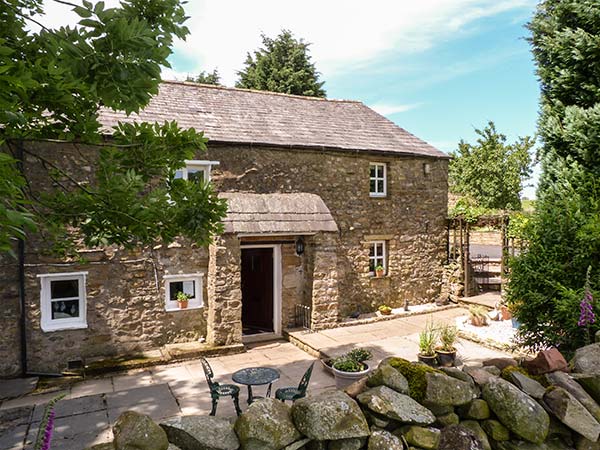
(373, 171)
(372, 265)
(64, 288)
(372, 188)
(380, 171)
(372, 250)
(379, 250)
(187, 287)
(380, 186)
(196, 175)
(179, 174)
(65, 309)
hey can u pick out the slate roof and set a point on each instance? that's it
(232, 115)
(300, 213)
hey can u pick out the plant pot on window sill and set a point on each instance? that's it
(380, 273)
(183, 304)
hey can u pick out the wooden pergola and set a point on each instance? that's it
(458, 243)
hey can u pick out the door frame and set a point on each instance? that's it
(276, 293)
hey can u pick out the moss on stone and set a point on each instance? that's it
(415, 375)
(507, 371)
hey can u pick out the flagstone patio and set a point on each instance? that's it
(90, 408)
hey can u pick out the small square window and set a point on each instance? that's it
(377, 180)
(377, 256)
(190, 284)
(63, 301)
(198, 171)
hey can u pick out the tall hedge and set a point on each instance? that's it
(547, 281)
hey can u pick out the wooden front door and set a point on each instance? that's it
(257, 290)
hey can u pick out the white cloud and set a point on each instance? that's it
(387, 109)
(344, 34)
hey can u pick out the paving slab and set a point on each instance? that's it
(91, 387)
(72, 407)
(17, 387)
(12, 438)
(157, 401)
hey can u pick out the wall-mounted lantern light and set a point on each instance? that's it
(300, 245)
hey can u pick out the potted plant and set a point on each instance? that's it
(183, 299)
(385, 310)
(478, 315)
(446, 352)
(428, 339)
(350, 367)
(379, 271)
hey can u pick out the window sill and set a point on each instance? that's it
(378, 195)
(184, 309)
(53, 328)
(373, 277)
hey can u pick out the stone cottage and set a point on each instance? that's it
(320, 193)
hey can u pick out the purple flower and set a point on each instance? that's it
(48, 431)
(586, 310)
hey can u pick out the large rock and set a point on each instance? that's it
(495, 430)
(478, 409)
(266, 424)
(382, 440)
(586, 444)
(328, 416)
(546, 361)
(455, 372)
(572, 413)
(201, 433)
(480, 376)
(456, 437)
(500, 363)
(587, 359)
(528, 385)
(572, 387)
(444, 390)
(474, 426)
(400, 407)
(386, 375)
(134, 431)
(347, 444)
(427, 438)
(590, 382)
(447, 419)
(516, 410)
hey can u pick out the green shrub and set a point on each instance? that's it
(359, 354)
(428, 340)
(345, 364)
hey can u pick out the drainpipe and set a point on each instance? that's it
(21, 257)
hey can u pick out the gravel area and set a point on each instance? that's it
(500, 332)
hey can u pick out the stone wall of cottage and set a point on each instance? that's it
(125, 289)
(411, 218)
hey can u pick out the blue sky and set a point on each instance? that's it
(438, 68)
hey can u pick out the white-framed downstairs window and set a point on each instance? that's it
(63, 301)
(377, 180)
(190, 284)
(196, 170)
(377, 256)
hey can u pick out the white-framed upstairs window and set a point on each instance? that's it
(377, 179)
(190, 284)
(196, 170)
(377, 256)
(63, 301)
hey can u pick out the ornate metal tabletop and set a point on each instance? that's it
(256, 376)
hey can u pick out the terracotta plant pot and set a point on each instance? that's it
(183, 305)
(505, 312)
(345, 379)
(379, 273)
(446, 359)
(429, 360)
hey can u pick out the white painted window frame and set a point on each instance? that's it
(376, 257)
(197, 164)
(194, 303)
(376, 179)
(46, 322)
(277, 288)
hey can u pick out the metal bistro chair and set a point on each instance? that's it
(218, 390)
(294, 393)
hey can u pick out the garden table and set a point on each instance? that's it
(256, 376)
